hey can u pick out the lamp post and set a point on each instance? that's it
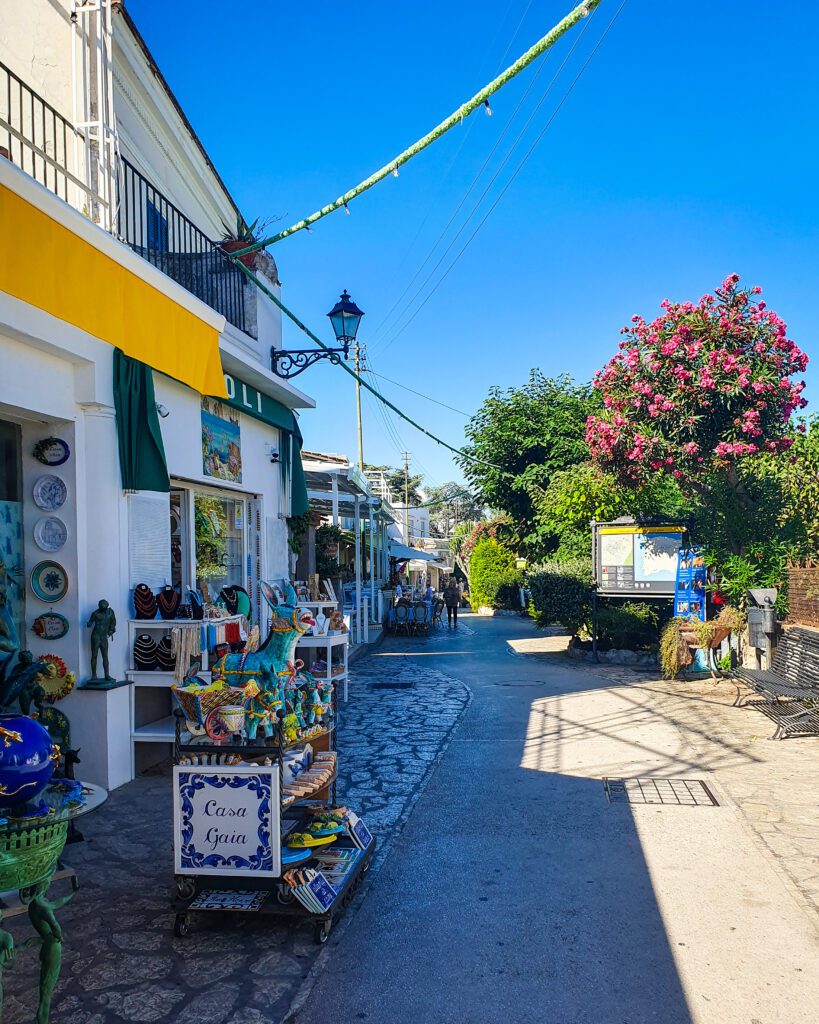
(345, 317)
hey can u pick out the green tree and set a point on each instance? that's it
(395, 482)
(491, 567)
(523, 436)
(455, 505)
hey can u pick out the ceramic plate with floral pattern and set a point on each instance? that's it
(50, 493)
(49, 581)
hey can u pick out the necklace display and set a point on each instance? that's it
(164, 654)
(168, 600)
(145, 652)
(144, 602)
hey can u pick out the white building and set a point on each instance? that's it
(109, 207)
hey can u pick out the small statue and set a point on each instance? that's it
(50, 937)
(103, 625)
(21, 683)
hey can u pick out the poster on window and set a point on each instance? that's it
(221, 441)
(689, 595)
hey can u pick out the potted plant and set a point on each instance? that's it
(240, 237)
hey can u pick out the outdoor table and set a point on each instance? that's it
(29, 855)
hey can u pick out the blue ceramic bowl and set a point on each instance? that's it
(25, 759)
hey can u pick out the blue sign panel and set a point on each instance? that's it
(689, 594)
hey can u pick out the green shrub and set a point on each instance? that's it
(491, 567)
(561, 592)
(630, 626)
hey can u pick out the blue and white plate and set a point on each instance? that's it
(50, 493)
(50, 533)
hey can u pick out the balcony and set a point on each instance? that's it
(45, 145)
(155, 229)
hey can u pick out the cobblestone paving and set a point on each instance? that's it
(121, 961)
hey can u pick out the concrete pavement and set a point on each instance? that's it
(516, 892)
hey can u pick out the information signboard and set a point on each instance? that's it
(634, 559)
(689, 595)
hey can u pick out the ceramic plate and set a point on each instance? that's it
(49, 581)
(52, 451)
(50, 626)
(61, 683)
(313, 842)
(50, 493)
(50, 533)
(294, 856)
(328, 831)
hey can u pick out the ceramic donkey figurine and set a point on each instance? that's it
(261, 674)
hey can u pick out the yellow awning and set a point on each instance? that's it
(47, 265)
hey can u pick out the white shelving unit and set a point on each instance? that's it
(151, 716)
(330, 643)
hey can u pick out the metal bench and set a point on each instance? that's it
(788, 692)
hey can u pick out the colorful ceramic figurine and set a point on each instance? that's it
(261, 708)
(269, 665)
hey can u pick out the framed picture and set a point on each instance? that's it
(221, 441)
(226, 821)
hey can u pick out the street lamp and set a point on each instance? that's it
(345, 317)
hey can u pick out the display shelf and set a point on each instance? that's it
(290, 801)
(309, 739)
(162, 730)
(328, 643)
(330, 640)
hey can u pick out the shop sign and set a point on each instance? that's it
(636, 559)
(253, 402)
(226, 821)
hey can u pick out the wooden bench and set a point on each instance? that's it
(788, 692)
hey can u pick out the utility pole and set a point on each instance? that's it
(359, 352)
(406, 458)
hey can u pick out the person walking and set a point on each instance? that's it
(452, 598)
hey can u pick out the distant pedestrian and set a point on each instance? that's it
(452, 598)
(429, 593)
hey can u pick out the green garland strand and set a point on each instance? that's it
(479, 99)
(313, 337)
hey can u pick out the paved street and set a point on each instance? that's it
(517, 892)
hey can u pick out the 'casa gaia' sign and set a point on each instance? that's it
(226, 821)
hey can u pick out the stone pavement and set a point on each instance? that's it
(121, 961)
(517, 892)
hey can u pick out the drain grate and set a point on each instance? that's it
(397, 684)
(676, 792)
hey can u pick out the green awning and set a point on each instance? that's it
(141, 451)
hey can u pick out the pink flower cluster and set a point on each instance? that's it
(697, 388)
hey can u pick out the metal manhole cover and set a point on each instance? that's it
(676, 792)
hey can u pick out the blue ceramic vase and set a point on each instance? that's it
(26, 762)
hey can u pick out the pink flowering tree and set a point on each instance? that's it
(699, 393)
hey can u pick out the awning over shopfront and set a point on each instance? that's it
(78, 273)
(403, 552)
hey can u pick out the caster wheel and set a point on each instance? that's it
(323, 931)
(182, 926)
(284, 897)
(185, 887)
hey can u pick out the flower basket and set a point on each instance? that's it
(28, 854)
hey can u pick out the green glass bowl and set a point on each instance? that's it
(28, 853)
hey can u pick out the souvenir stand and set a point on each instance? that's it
(256, 823)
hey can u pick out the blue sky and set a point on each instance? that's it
(686, 151)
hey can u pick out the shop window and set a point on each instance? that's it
(219, 530)
(12, 568)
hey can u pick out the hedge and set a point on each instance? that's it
(561, 592)
(493, 579)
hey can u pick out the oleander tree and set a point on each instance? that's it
(699, 394)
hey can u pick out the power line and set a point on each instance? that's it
(492, 180)
(480, 98)
(419, 393)
(509, 183)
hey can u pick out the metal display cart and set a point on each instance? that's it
(204, 893)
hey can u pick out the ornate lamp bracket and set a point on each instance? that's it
(291, 363)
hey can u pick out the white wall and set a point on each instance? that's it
(35, 43)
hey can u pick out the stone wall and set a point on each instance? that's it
(803, 594)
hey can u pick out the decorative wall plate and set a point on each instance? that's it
(49, 581)
(50, 626)
(50, 493)
(50, 533)
(61, 683)
(52, 451)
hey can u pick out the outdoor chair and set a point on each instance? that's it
(420, 617)
(438, 612)
(402, 623)
(788, 692)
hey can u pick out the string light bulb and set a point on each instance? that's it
(395, 171)
(347, 209)
(308, 229)
(487, 108)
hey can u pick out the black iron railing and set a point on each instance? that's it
(160, 233)
(43, 143)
